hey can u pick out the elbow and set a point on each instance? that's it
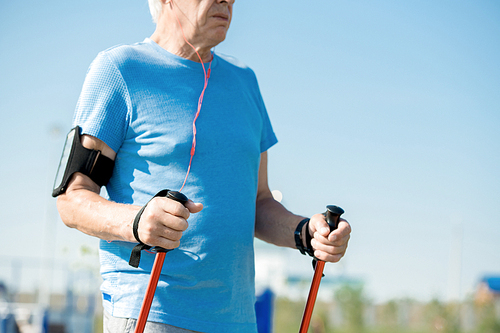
(76, 197)
(64, 207)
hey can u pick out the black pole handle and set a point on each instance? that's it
(333, 216)
(176, 196)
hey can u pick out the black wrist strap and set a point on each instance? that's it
(298, 236)
(309, 248)
(135, 256)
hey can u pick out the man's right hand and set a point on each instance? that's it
(164, 220)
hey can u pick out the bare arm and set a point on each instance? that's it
(275, 224)
(81, 207)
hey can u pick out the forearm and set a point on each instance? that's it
(93, 215)
(274, 223)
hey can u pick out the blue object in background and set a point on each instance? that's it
(264, 309)
(493, 283)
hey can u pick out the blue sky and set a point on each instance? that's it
(390, 109)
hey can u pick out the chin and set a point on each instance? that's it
(218, 38)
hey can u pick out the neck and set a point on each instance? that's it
(181, 47)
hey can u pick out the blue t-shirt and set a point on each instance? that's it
(141, 101)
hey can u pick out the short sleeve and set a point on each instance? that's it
(104, 105)
(268, 137)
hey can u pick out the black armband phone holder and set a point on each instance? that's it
(76, 158)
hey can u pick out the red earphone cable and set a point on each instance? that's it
(200, 100)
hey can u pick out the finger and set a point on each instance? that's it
(174, 223)
(168, 238)
(342, 233)
(317, 223)
(194, 207)
(165, 243)
(166, 234)
(328, 253)
(167, 215)
(335, 238)
(328, 248)
(168, 206)
(328, 257)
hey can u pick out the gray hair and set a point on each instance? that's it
(155, 9)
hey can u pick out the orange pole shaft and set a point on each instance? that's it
(150, 292)
(311, 299)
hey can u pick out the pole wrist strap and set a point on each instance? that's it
(298, 237)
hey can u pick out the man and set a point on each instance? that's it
(138, 107)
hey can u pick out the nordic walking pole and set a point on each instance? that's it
(332, 218)
(155, 273)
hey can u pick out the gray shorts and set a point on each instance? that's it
(127, 325)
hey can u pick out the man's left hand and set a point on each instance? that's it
(328, 246)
